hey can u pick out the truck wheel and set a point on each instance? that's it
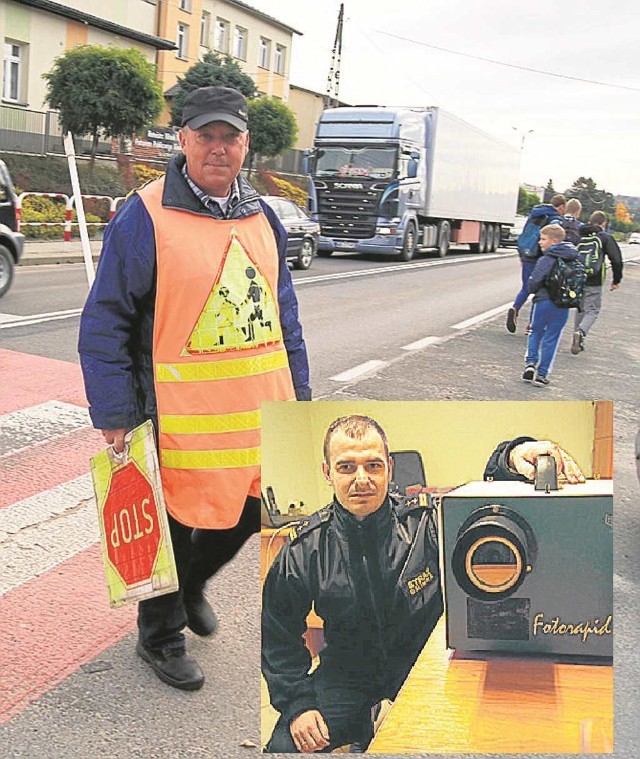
(481, 245)
(488, 247)
(6, 270)
(444, 239)
(409, 244)
(497, 234)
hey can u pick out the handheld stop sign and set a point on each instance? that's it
(134, 532)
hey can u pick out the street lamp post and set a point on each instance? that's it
(525, 134)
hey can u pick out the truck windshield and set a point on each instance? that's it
(376, 163)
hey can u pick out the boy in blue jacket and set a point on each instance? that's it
(547, 319)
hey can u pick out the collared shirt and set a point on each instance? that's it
(210, 203)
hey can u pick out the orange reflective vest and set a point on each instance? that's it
(217, 354)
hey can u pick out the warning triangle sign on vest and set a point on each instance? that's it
(240, 312)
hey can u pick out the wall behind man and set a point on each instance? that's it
(455, 438)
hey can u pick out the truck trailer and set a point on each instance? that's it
(396, 181)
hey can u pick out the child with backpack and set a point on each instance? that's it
(594, 245)
(557, 282)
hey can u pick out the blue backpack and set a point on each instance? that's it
(530, 236)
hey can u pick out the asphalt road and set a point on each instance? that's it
(113, 707)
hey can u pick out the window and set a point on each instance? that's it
(240, 43)
(279, 59)
(185, 5)
(205, 28)
(182, 42)
(13, 63)
(264, 53)
(221, 40)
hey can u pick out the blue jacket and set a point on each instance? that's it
(545, 264)
(546, 209)
(116, 326)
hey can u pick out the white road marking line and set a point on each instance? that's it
(358, 371)
(481, 317)
(396, 268)
(27, 321)
(44, 530)
(423, 343)
(39, 424)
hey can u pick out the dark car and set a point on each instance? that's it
(11, 241)
(511, 233)
(301, 229)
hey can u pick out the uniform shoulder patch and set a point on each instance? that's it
(404, 504)
(310, 523)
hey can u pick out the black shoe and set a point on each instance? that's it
(201, 618)
(541, 381)
(173, 666)
(577, 344)
(512, 318)
(529, 373)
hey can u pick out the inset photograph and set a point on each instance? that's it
(437, 577)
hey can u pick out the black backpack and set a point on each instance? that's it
(571, 227)
(565, 283)
(591, 254)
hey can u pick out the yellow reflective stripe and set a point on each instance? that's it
(232, 458)
(205, 371)
(209, 423)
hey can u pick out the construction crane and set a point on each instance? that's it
(333, 80)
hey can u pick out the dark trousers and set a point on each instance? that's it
(199, 555)
(527, 270)
(346, 708)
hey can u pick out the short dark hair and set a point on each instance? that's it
(354, 426)
(598, 217)
(558, 200)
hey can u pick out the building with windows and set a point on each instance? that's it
(34, 32)
(260, 43)
(173, 34)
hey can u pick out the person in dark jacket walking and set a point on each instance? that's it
(168, 334)
(540, 215)
(592, 298)
(547, 319)
(368, 564)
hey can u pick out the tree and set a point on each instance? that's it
(592, 198)
(273, 128)
(213, 69)
(526, 201)
(103, 89)
(549, 192)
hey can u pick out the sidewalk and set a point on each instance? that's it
(56, 252)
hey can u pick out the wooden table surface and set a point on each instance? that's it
(498, 704)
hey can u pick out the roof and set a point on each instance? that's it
(265, 16)
(99, 23)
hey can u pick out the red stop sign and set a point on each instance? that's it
(132, 526)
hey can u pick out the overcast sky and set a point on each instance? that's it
(579, 128)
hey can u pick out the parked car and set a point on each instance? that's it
(11, 241)
(509, 236)
(634, 238)
(301, 229)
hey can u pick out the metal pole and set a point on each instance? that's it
(82, 224)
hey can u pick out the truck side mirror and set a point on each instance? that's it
(309, 159)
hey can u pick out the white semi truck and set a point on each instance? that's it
(395, 181)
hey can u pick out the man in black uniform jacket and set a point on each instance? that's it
(368, 562)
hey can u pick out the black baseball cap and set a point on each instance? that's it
(215, 104)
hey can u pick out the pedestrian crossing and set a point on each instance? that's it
(54, 610)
